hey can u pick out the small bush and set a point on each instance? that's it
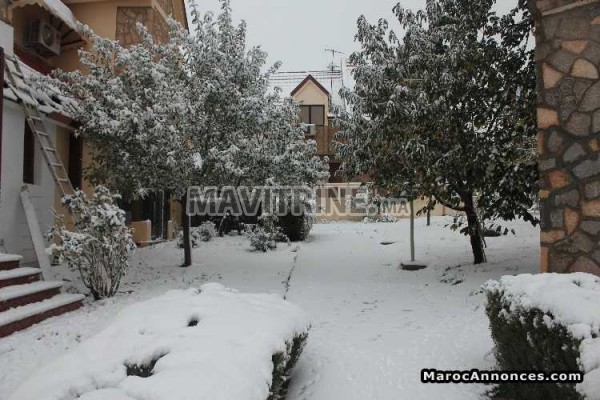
(203, 233)
(100, 244)
(265, 235)
(283, 363)
(297, 227)
(536, 324)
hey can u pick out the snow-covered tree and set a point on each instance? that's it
(447, 111)
(100, 244)
(192, 111)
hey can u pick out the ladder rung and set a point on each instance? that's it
(62, 180)
(49, 149)
(42, 133)
(56, 165)
(35, 117)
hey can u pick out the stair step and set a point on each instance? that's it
(20, 295)
(9, 261)
(19, 276)
(20, 318)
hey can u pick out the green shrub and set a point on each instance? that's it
(536, 326)
(283, 363)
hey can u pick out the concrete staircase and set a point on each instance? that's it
(25, 299)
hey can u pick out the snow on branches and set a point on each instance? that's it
(99, 245)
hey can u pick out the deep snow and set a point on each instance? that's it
(374, 326)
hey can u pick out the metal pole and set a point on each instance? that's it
(2, 61)
(412, 230)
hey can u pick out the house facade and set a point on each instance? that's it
(42, 35)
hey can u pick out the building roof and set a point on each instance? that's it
(51, 102)
(55, 7)
(312, 79)
(331, 82)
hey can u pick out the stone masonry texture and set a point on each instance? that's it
(568, 61)
(127, 19)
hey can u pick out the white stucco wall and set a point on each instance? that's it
(6, 38)
(13, 226)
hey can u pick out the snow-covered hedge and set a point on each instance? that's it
(213, 343)
(549, 323)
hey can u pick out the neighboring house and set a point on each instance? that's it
(316, 110)
(42, 35)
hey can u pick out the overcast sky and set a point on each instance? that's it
(297, 32)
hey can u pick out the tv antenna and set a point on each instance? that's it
(332, 65)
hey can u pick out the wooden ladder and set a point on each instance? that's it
(37, 126)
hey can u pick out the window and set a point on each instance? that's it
(75, 160)
(28, 156)
(313, 115)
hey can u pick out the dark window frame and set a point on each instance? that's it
(310, 112)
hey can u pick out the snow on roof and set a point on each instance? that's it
(49, 102)
(54, 7)
(331, 81)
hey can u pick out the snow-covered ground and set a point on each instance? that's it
(374, 326)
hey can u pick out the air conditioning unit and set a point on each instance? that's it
(311, 129)
(43, 38)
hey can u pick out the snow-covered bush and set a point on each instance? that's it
(548, 323)
(203, 233)
(99, 245)
(265, 235)
(297, 227)
(196, 343)
(261, 239)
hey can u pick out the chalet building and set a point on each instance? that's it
(316, 111)
(37, 36)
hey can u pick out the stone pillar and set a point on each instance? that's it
(568, 56)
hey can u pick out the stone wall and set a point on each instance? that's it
(568, 56)
(127, 19)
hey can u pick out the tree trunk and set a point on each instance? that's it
(474, 227)
(429, 211)
(185, 224)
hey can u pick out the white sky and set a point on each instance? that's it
(296, 32)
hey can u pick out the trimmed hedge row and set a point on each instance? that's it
(527, 317)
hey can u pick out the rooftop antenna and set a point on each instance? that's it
(332, 67)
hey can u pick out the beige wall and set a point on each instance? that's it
(5, 11)
(311, 94)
